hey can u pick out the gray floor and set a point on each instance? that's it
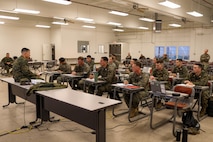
(117, 129)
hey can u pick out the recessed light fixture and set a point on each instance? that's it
(60, 23)
(195, 14)
(118, 30)
(64, 2)
(143, 28)
(42, 26)
(118, 13)
(84, 19)
(87, 26)
(175, 25)
(1, 22)
(146, 19)
(169, 4)
(114, 23)
(9, 17)
(26, 11)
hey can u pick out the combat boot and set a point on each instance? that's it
(133, 112)
(203, 111)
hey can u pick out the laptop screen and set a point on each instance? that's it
(158, 87)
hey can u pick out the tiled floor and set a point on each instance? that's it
(117, 129)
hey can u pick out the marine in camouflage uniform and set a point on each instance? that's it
(7, 62)
(200, 78)
(21, 68)
(63, 68)
(90, 62)
(161, 74)
(138, 78)
(105, 73)
(204, 59)
(81, 69)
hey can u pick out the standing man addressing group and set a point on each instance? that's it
(21, 68)
(204, 59)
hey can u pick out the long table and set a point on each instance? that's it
(83, 108)
(15, 89)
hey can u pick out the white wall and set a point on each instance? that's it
(14, 38)
(144, 42)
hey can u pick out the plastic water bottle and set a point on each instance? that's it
(94, 68)
(178, 75)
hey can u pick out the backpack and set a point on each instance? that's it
(191, 123)
(210, 107)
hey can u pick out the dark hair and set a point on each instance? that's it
(81, 58)
(24, 50)
(104, 58)
(134, 59)
(159, 62)
(138, 64)
(179, 60)
(89, 56)
(61, 59)
(199, 65)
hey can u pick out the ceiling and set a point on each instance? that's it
(98, 10)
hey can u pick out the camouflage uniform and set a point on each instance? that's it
(83, 70)
(6, 66)
(64, 68)
(117, 64)
(141, 80)
(91, 65)
(162, 75)
(183, 71)
(107, 74)
(21, 70)
(112, 65)
(204, 59)
(201, 80)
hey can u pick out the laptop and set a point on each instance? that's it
(157, 87)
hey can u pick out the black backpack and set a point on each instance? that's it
(191, 123)
(210, 107)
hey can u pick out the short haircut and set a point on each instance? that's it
(61, 59)
(24, 50)
(81, 58)
(104, 58)
(159, 62)
(179, 60)
(137, 63)
(199, 65)
(89, 56)
(134, 59)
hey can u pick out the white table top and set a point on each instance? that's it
(79, 99)
(72, 76)
(11, 81)
(93, 80)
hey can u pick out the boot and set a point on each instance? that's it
(203, 111)
(133, 112)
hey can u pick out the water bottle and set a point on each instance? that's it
(178, 135)
(94, 68)
(185, 135)
(178, 75)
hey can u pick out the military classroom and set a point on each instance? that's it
(106, 70)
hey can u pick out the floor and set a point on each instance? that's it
(118, 129)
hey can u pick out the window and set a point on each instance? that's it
(171, 52)
(159, 51)
(183, 52)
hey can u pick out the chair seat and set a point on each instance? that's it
(180, 105)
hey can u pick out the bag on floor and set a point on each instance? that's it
(191, 123)
(210, 107)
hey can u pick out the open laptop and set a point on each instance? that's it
(157, 87)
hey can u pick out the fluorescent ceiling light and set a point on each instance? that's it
(87, 26)
(42, 26)
(60, 23)
(169, 4)
(147, 19)
(84, 19)
(174, 25)
(118, 13)
(9, 17)
(64, 2)
(118, 30)
(1, 22)
(26, 11)
(195, 14)
(114, 23)
(143, 28)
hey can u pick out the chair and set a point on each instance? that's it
(50, 65)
